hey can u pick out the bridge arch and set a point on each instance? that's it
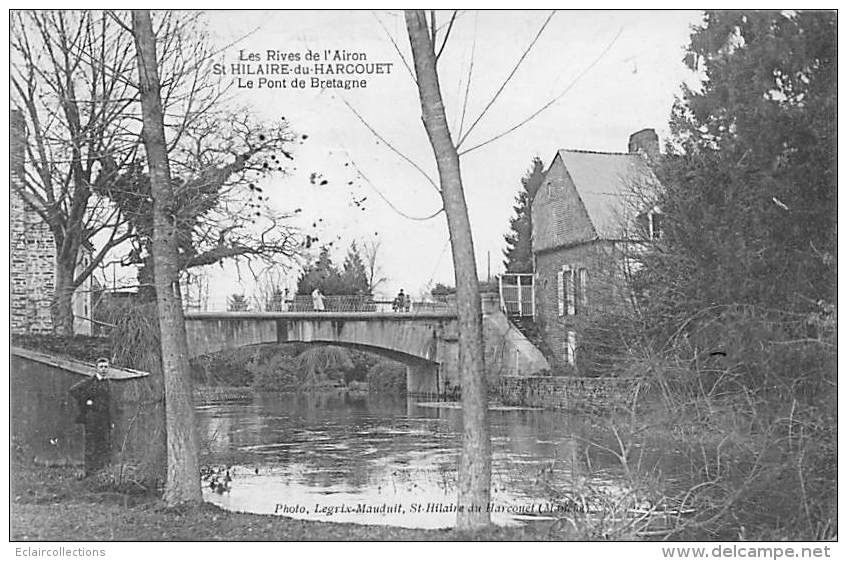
(425, 342)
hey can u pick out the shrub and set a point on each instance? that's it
(320, 363)
(224, 369)
(237, 367)
(387, 376)
(362, 363)
(753, 410)
(278, 374)
(606, 342)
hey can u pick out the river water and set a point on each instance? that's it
(386, 460)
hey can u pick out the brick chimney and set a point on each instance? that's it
(645, 142)
(17, 142)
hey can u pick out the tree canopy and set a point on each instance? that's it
(75, 85)
(220, 211)
(749, 180)
(518, 250)
(324, 275)
(354, 273)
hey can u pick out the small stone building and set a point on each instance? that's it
(33, 254)
(588, 218)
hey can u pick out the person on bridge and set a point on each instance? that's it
(399, 302)
(318, 300)
(93, 399)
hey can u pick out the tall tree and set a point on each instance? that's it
(373, 270)
(353, 273)
(221, 211)
(73, 78)
(268, 294)
(351, 279)
(183, 475)
(322, 274)
(518, 250)
(475, 460)
(750, 185)
(69, 78)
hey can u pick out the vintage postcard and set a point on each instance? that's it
(393, 275)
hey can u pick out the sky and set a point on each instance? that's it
(619, 72)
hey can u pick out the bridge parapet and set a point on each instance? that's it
(408, 336)
(343, 303)
(426, 341)
(446, 314)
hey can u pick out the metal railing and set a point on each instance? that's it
(517, 294)
(305, 303)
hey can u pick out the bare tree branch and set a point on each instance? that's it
(391, 146)
(468, 81)
(508, 78)
(551, 102)
(446, 35)
(396, 47)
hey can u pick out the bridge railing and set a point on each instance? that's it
(305, 303)
(517, 294)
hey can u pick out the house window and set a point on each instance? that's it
(572, 288)
(650, 224)
(560, 291)
(570, 291)
(582, 289)
(570, 348)
(656, 219)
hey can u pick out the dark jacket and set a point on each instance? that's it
(92, 397)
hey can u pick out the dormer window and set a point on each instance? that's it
(651, 224)
(655, 218)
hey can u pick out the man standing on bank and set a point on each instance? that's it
(93, 399)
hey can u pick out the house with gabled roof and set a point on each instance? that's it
(585, 222)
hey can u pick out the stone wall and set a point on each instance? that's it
(507, 351)
(43, 414)
(569, 392)
(605, 290)
(33, 253)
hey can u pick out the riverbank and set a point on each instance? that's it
(50, 504)
(204, 393)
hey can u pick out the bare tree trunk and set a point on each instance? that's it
(475, 461)
(183, 477)
(61, 304)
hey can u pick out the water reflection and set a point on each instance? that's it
(383, 460)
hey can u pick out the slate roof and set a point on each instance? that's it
(604, 182)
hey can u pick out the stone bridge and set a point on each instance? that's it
(426, 342)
